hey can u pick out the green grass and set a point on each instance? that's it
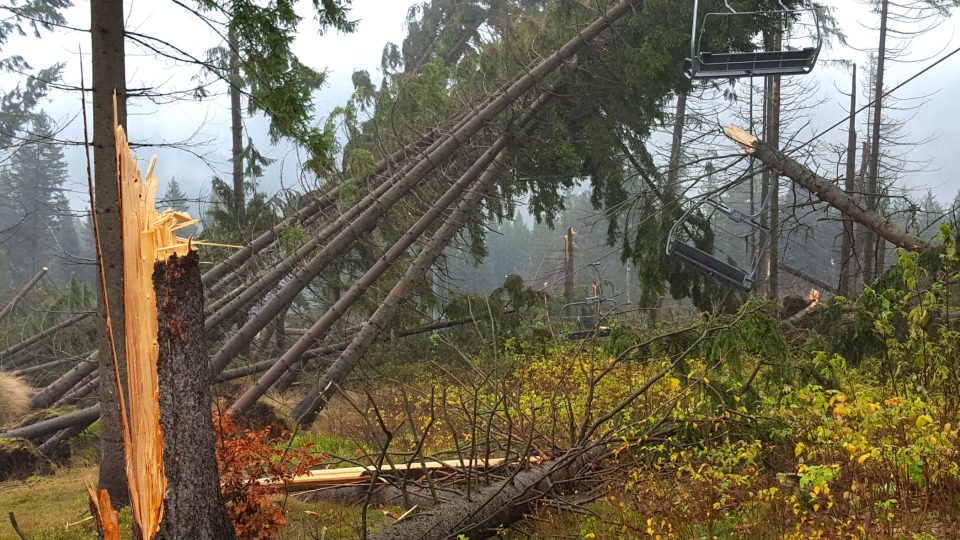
(51, 507)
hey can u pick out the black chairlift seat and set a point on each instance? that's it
(707, 263)
(710, 265)
(704, 64)
(752, 64)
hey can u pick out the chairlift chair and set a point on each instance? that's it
(712, 266)
(593, 325)
(704, 64)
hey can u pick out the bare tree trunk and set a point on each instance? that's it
(568, 258)
(676, 146)
(193, 506)
(23, 292)
(847, 242)
(873, 182)
(773, 276)
(236, 130)
(825, 190)
(109, 77)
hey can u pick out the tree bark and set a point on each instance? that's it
(773, 138)
(825, 190)
(193, 506)
(109, 77)
(236, 130)
(847, 242)
(568, 256)
(873, 181)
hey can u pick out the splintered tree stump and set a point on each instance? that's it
(193, 506)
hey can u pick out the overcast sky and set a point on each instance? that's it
(206, 124)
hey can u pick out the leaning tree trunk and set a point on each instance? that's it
(825, 190)
(193, 506)
(306, 411)
(8, 309)
(360, 286)
(442, 151)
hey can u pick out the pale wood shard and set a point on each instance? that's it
(108, 521)
(349, 476)
(148, 237)
(744, 138)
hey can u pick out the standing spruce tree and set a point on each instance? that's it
(257, 62)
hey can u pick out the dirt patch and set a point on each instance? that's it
(19, 460)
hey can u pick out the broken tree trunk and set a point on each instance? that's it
(494, 506)
(825, 190)
(360, 286)
(193, 506)
(23, 292)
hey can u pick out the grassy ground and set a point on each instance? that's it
(51, 507)
(55, 508)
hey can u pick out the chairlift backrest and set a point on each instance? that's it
(704, 64)
(710, 265)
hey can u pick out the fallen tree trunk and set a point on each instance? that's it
(6, 353)
(23, 292)
(232, 263)
(55, 390)
(494, 506)
(53, 425)
(431, 159)
(825, 190)
(809, 279)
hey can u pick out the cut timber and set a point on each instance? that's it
(362, 475)
(824, 189)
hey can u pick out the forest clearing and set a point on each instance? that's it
(541, 269)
